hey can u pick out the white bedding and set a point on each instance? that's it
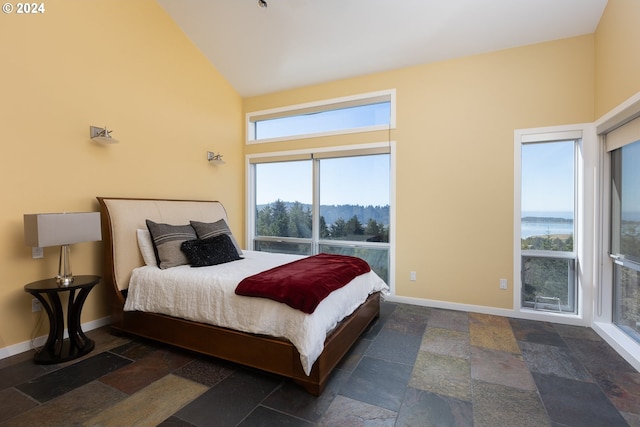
(207, 294)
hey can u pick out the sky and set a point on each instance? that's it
(325, 121)
(362, 180)
(547, 177)
(631, 178)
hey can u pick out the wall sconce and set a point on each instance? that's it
(101, 135)
(62, 229)
(214, 158)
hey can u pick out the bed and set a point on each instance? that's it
(307, 356)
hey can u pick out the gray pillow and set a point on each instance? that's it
(167, 239)
(205, 230)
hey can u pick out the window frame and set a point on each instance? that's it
(605, 312)
(559, 137)
(322, 106)
(583, 220)
(346, 151)
(603, 302)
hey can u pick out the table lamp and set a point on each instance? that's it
(62, 229)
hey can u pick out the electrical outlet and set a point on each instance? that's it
(412, 276)
(35, 305)
(503, 283)
(37, 253)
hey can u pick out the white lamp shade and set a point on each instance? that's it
(55, 229)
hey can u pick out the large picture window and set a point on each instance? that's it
(548, 255)
(332, 202)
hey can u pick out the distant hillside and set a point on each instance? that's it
(547, 220)
(331, 213)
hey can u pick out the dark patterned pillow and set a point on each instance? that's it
(167, 239)
(205, 230)
(210, 251)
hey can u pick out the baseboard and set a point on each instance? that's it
(12, 350)
(450, 306)
(523, 314)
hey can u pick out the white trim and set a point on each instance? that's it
(587, 188)
(621, 114)
(250, 195)
(469, 308)
(529, 137)
(322, 105)
(392, 219)
(602, 321)
(320, 134)
(584, 216)
(24, 346)
(352, 147)
(623, 135)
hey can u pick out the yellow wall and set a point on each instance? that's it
(119, 63)
(454, 189)
(617, 54)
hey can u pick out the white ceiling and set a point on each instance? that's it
(294, 43)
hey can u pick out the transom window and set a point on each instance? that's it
(361, 113)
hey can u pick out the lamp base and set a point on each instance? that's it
(64, 277)
(64, 281)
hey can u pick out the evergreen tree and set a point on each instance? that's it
(280, 223)
(263, 224)
(324, 230)
(299, 221)
(354, 227)
(372, 229)
(339, 228)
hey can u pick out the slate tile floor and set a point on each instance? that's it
(415, 366)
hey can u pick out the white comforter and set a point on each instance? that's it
(207, 294)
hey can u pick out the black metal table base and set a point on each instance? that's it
(59, 349)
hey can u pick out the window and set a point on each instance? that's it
(548, 255)
(283, 217)
(363, 116)
(334, 201)
(623, 145)
(616, 279)
(367, 112)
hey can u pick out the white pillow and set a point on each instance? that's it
(146, 247)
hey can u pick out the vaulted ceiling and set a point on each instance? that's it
(292, 43)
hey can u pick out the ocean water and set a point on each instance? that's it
(528, 229)
(544, 224)
(541, 227)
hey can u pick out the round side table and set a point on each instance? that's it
(57, 349)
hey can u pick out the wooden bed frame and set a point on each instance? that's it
(122, 216)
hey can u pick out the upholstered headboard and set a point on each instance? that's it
(121, 217)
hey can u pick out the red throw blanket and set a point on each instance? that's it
(303, 284)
